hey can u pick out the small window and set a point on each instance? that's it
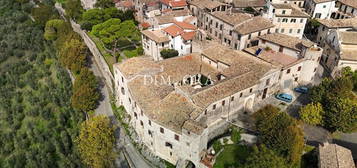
(301, 20)
(296, 79)
(315, 70)
(282, 30)
(250, 36)
(150, 122)
(162, 130)
(267, 82)
(276, 30)
(288, 71)
(273, 10)
(214, 107)
(283, 12)
(291, 31)
(141, 123)
(129, 100)
(206, 112)
(259, 33)
(223, 102)
(298, 30)
(177, 138)
(232, 98)
(135, 115)
(251, 90)
(122, 79)
(299, 68)
(241, 94)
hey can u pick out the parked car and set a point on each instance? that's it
(284, 97)
(301, 89)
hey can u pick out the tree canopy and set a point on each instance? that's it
(338, 102)
(104, 3)
(73, 55)
(96, 142)
(280, 132)
(73, 8)
(262, 157)
(312, 114)
(168, 53)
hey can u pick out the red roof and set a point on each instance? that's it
(174, 3)
(188, 35)
(145, 24)
(185, 25)
(173, 30)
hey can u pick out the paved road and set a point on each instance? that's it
(104, 108)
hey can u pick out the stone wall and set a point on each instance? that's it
(98, 58)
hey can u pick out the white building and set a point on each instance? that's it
(340, 50)
(88, 4)
(288, 19)
(176, 35)
(320, 9)
(346, 9)
(298, 59)
(173, 4)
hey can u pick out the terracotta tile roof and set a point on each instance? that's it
(273, 57)
(248, 3)
(175, 108)
(157, 35)
(126, 4)
(348, 37)
(188, 35)
(233, 18)
(255, 24)
(164, 19)
(352, 3)
(295, 11)
(173, 30)
(145, 24)
(339, 23)
(174, 3)
(190, 19)
(287, 41)
(209, 4)
(177, 13)
(335, 156)
(321, 1)
(186, 26)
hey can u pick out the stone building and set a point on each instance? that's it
(346, 9)
(320, 9)
(200, 8)
(287, 18)
(176, 35)
(235, 30)
(327, 25)
(298, 59)
(340, 50)
(178, 105)
(334, 156)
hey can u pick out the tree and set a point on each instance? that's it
(341, 114)
(235, 135)
(104, 3)
(168, 53)
(73, 55)
(317, 93)
(85, 94)
(42, 13)
(312, 114)
(93, 17)
(74, 8)
(262, 157)
(53, 28)
(280, 132)
(96, 142)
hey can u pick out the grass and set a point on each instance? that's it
(231, 156)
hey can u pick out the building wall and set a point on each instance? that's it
(320, 10)
(152, 48)
(344, 11)
(292, 26)
(275, 47)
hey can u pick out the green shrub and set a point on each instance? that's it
(168, 53)
(217, 146)
(235, 137)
